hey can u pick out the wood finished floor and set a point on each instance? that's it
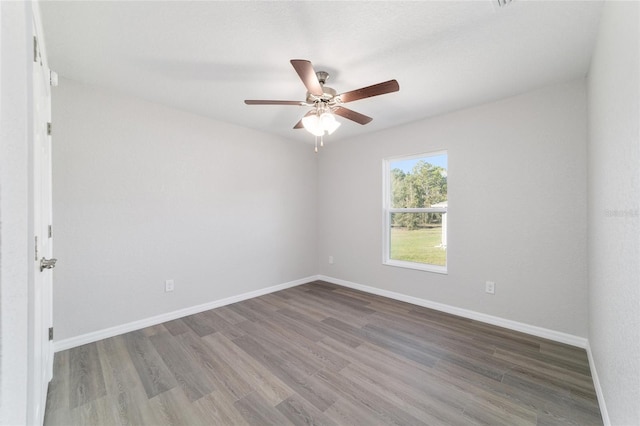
(326, 355)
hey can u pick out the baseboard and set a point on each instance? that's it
(598, 388)
(545, 333)
(94, 336)
(158, 319)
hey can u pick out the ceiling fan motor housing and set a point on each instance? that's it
(328, 93)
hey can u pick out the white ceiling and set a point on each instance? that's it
(207, 57)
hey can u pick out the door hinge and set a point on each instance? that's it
(36, 247)
(35, 49)
(53, 78)
(50, 333)
(49, 128)
(50, 231)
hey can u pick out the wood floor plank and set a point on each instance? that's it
(344, 412)
(199, 323)
(404, 339)
(282, 322)
(185, 369)
(100, 411)
(560, 376)
(122, 381)
(245, 311)
(86, 382)
(483, 412)
(353, 314)
(256, 411)
(176, 326)
(378, 303)
(154, 374)
(520, 394)
(222, 325)
(385, 341)
(422, 407)
(443, 400)
(275, 301)
(305, 350)
(326, 355)
(450, 338)
(153, 330)
(229, 315)
(261, 379)
(570, 353)
(259, 306)
(329, 307)
(383, 362)
(305, 359)
(132, 407)
(217, 408)
(300, 412)
(58, 417)
(342, 299)
(312, 312)
(173, 408)
(218, 372)
(559, 360)
(386, 411)
(119, 372)
(306, 386)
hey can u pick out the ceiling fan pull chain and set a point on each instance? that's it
(316, 144)
(321, 141)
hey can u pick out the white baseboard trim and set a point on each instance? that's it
(598, 388)
(94, 336)
(545, 333)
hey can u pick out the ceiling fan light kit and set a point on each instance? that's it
(320, 120)
(325, 102)
(319, 124)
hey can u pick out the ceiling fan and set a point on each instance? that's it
(325, 101)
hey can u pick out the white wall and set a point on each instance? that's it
(16, 219)
(144, 193)
(614, 211)
(517, 208)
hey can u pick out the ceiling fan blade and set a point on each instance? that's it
(299, 123)
(268, 102)
(307, 75)
(369, 91)
(352, 115)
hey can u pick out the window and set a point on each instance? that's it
(415, 212)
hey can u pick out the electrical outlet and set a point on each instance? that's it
(490, 287)
(330, 260)
(168, 286)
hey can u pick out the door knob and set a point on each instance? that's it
(47, 264)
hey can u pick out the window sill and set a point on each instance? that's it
(418, 266)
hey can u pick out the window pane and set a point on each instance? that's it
(418, 182)
(418, 237)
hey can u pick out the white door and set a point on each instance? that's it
(41, 312)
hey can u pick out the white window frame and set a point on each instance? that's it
(387, 210)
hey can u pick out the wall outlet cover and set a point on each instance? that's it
(490, 287)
